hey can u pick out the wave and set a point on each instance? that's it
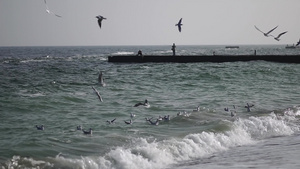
(151, 153)
(123, 53)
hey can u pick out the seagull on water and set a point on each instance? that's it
(112, 121)
(40, 127)
(248, 107)
(179, 25)
(146, 104)
(79, 127)
(266, 34)
(50, 12)
(100, 18)
(128, 122)
(277, 38)
(101, 79)
(88, 131)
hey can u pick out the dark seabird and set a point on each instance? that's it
(298, 43)
(146, 104)
(79, 127)
(277, 38)
(154, 123)
(128, 122)
(98, 94)
(40, 127)
(100, 18)
(112, 121)
(48, 11)
(266, 34)
(248, 107)
(179, 25)
(88, 131)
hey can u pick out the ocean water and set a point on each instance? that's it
(52, 86)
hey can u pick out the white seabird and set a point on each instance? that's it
(266, 34)
(101, 79)
(277, 38)
(98, 94)
(179, 25)
(50, 12)
(100, 18)
(154, 123)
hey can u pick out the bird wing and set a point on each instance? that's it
(281, 34)
(298, 43)
(179, 28)
(113, 120)
(258, 29)
(272, 30)
(180, 21)
(98, 94)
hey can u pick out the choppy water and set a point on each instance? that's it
(53, 86)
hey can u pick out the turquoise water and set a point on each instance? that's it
(52, 86)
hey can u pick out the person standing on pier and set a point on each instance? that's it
(173, 49)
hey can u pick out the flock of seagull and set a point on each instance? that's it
(179, 24)
(144, 104)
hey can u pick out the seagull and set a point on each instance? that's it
(248, 107)
(132, 115)
(128, 122)
(179, 25)
(277, 38)
(146, 104)
(100, 18)
(49, 12)
(298, 43)
(167, 118)
(88, 131)
(198, 109)
(101, 79)
(266, 34)
(79, 127)
(40, 127)
(98, 94)
(112, 121)
(154, 123)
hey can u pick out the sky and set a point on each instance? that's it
(147, 22)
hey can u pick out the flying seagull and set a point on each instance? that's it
(277, 38)
(100, 18)
(266, 34)
(179, 25)
(50, 12)
(298, 43)
(98, 94)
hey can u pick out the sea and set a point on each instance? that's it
(209, 124)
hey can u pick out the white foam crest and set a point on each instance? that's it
(265, 126)
(123, 53)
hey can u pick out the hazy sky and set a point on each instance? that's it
(147, 22)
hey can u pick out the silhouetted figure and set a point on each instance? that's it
(173, 49)
(140, 53)
(254, 52)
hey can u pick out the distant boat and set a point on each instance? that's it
(232, 47)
